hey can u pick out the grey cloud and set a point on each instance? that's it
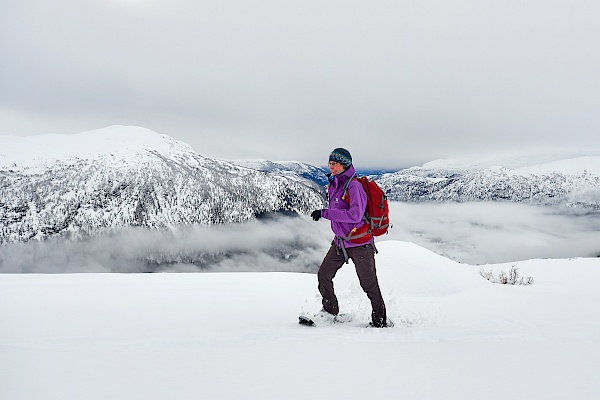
(430, 79)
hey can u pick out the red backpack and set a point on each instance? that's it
(376, 218)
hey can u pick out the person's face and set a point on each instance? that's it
(335, 167)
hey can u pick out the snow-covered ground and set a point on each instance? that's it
(235, 335)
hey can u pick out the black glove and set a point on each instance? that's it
(316, 215)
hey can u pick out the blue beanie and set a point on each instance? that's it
(341, 156)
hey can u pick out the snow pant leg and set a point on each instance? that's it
(363, 258)
(329, 267)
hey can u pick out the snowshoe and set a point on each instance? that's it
(381, 324)
(323, 317)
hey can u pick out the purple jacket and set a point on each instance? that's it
(343, 216)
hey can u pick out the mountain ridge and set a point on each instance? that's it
(571, 179)
(573, 182)
(298, 168)
(121, 176)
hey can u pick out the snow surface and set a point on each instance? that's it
(235, 335)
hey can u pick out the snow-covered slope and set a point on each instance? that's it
(574, 182)
(79, 185)
(236, 336)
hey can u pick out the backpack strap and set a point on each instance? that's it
(345, 193)
(339, 245)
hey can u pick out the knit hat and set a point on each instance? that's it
(341, 156)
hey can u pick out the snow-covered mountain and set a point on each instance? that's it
(89, 183)
(571, 180)
(288, 168)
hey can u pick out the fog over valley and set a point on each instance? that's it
(473, 233)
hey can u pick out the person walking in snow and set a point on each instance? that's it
(346, 206)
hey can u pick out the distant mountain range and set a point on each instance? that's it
(287, 168)
(569, 179)
(297, 168)
(572, 180)
(82, 185)
(76, 186)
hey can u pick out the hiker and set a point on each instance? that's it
(345, 215)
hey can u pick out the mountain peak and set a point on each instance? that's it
(120, 142)
(95, 182)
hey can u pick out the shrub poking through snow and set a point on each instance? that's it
(510, 278)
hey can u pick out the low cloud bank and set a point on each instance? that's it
(473, 233)
(494, 232)
(277, 243)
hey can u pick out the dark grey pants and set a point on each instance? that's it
(363, 258)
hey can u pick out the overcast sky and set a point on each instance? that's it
(398, 83)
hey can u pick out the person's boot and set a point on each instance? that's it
(381, 323)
